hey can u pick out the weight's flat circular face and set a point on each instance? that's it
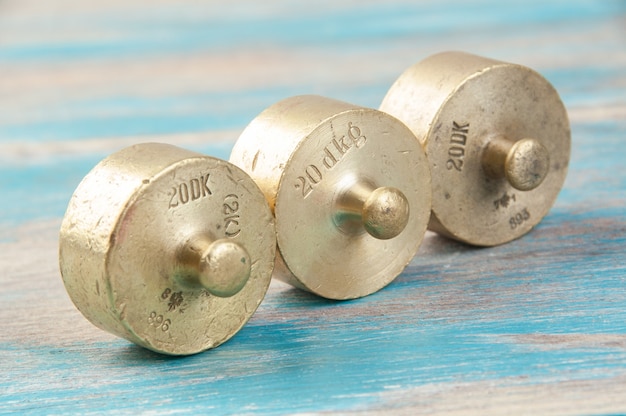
(491, 103)
(326, 247)
(350, 188)
(143, 268)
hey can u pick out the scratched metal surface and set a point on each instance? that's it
(534, 326)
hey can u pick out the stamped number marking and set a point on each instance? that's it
(331, 155)
(519, 218)
(230, 209)
(159, 322)
(456, 150)
(190, 190)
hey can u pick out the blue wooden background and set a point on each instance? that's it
(537, 326)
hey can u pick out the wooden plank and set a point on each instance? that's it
(534, 326)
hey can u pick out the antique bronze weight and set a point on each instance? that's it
(350, 190)
(167, 248)
(174, 250)
(497, 138)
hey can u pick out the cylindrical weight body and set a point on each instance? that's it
(167, 248)
(497, 138)
(350, 190)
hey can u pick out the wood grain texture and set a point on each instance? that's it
(536, 326)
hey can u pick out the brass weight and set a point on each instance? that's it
(167, 248)
(350, 190)
(497, 138)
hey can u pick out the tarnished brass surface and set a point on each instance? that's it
(167, 248)
(498, 141)
(350, 189)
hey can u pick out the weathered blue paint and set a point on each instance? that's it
(173, 29)
(541, 311)
(461, 327)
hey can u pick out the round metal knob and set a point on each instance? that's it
(167, 248)
(527, 164)
(385, 213)
(497, 138)
(221, 267)
(524, 163)
(350, 189)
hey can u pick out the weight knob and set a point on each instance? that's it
(497, 138)
(167, 248)
(350, 190)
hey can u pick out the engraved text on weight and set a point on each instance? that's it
(232, 228)
(332, 154)
(190, 190)
(456, 148)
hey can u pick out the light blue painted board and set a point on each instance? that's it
(534, 326)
